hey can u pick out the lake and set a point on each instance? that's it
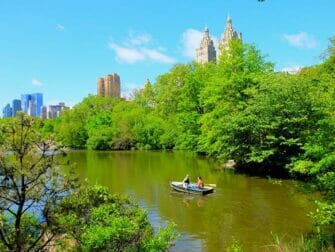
(248, 209)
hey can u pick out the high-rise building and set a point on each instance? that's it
(37, 101)
(228, 34)
(101, 87)
(7, 111)
(44, 112)
(206, 52)
(16, 106)
(25, 98)
(31, 104)
(109, 85)
(55, 110)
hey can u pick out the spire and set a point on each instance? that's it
(206, 51)
(228, 34)
(206, 31)
(229, 23)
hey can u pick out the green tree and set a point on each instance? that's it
(225, 97)
(71, 128)
(109, 223)
(31, 185)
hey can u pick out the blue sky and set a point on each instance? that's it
(61, 47)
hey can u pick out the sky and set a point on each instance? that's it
(60, 48)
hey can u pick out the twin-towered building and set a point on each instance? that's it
(109, 85)
(206, 51)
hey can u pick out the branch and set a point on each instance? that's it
(8, 209)
(29, 206)
(9, 199)
(32, 247)
(3, 238)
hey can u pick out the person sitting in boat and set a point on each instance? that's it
(186, 181)
(200, 182)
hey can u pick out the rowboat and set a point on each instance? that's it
(191, 188)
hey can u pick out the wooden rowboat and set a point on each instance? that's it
(191, 188)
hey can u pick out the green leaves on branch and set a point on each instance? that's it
(109, 223)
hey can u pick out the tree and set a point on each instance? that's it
(31, 185)
(225, 97)
(109, 223)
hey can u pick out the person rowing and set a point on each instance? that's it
(200, 182)
(186, 181)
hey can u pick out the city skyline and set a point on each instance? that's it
(32, 104)
(59, 49)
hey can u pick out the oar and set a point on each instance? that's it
(211, 185)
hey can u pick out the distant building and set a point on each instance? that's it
(228, 34)
(54, 111)
(109, 86)
(31, 104)
(7, 111)
(44, 112)
(16, 107)
(25, 98)
(206, 52)
(37, 103)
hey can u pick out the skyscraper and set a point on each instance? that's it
(109, 85)
(37, 103)
(228, 34)
(7, 111)
(31, 104)
(55, 110)
(206, 52)
(16, 106)
(25, 98)
(44, 112)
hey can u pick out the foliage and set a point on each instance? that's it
(303, 243)
(109, 223)
(31, 185)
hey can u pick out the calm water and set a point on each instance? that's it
(244, 208)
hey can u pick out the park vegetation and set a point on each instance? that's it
(269, 123)
(44, 208)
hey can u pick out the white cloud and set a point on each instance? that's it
(139, 39)
(136, 48)
(126, 54)
(301, 40)
(60, 27)
(157, 56)
(191, 39)
(36, 82)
